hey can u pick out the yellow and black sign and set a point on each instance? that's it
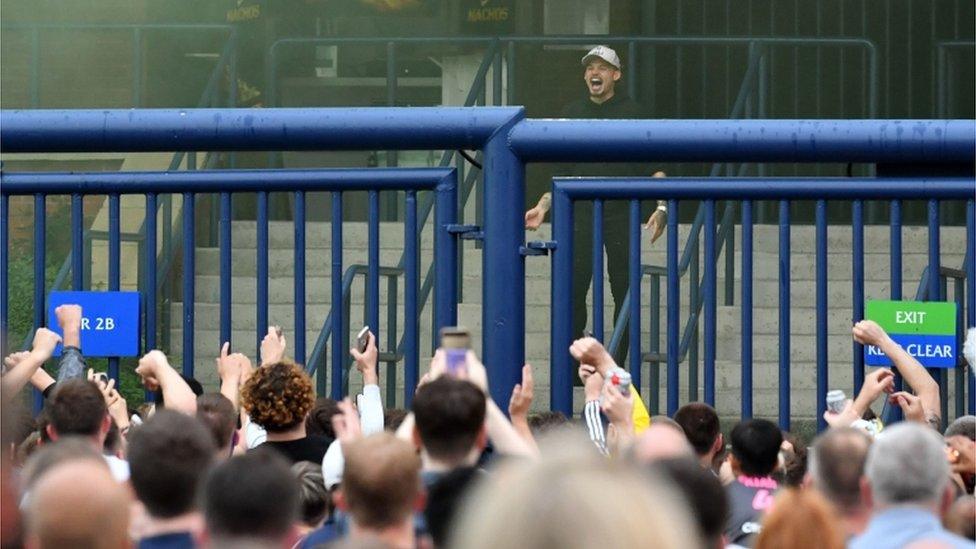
(488, 16)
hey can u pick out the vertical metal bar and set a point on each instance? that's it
(226, 268)
(784, 315)
(496, 79)
(510, 73)
(411, 318)
(169, 288)
(189, 280)
(4, 270)
(673, 307)
(77, 242)
(373, 276)
(971, 291)
(934, 268)
(730, 258)
(391, 342)
(392, 157)
(136, 67)
(822, 373)
(632, 65)
(299, 272)
(261, 327)
(895, 268)
(746, 310)
(711, 307)
(654, 371)
(35, 68)
(150, 289)
(762, 95)
(694, 301)
(857, 286)
(635, 292)
(445, 256)
(339, 319)
(40, 280)
(561, 397)
(597, 317)
(943, 377)
(114, 259)
(960, 369)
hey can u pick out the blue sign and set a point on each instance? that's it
(931, 351)
(109, 323)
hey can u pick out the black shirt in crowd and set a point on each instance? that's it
(311, 448)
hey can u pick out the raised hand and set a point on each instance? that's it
(272, 346)
(522, 393)
(366, 360)
(588, 350)
(44, 344)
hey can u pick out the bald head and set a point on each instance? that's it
(78, 504)
(662, 441)
(837, 466)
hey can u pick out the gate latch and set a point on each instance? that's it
(466, 232)
(537, 247)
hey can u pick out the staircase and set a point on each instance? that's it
(765, 291)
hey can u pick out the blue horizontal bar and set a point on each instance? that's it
(397, 128)
(848, 188)
(895, 141)
(206, 181)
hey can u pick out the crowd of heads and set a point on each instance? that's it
(263, 463)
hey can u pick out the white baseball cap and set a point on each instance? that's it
(602, 52)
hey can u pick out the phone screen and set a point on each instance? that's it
(455, 341)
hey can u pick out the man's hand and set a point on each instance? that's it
(879, 381)
(231, 366)
(13, 359)
(534, 218)
(618, 407)
(272, 346)
(366, 360)
(592, 382)
(69, 319)
(845, 418)
(588, 350)
(962, 454)
(44, 343)
(656, 224)
(868, 332)
(911, 406)
(148, 369)
(522, 393)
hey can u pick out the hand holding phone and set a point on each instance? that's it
(362, 339)
(455, 341)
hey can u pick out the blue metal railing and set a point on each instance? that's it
(566, 191)
(508, 142)
(190, 183)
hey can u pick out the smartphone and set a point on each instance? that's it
(362, 339)
(455, 341)
(101, 377)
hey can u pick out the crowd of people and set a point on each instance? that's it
(266, 463)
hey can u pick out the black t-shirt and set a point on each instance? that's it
(311, 448)
(749, 499)
(617, 107)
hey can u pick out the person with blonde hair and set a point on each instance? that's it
(573, 498)
(801, 519)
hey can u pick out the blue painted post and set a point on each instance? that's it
(635, 293)
(445, 254)
(711, 306)
(784, 315)
(934, 269)
(673, 307)
(411, 336)
(261, 327)
(114, 259)
(299, 286)
(338, 318)
(40, 259)
(503, 313)
(189, 280)
(373, 275)
(960, 370)
(561, 394)
(4, 274)
(694, 301)
(746, 309)
(150, 289)
(857, 290)
(77, 242)
(597, 325)
(226, 266)
(822, 362)
(895, 267)
(971, 290)
(654, 371)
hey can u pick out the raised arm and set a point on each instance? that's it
(868, 332)
(20, 367)
(72, 363)
(370, 402)
(155, 371)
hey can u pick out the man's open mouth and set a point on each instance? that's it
(595, 81)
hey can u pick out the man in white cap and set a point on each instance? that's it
(602, 72)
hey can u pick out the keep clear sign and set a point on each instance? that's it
(926, 330)
(109, 321)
